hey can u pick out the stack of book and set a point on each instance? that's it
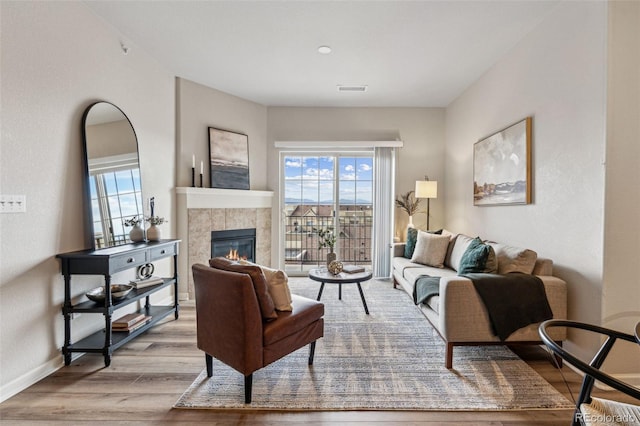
(130, 322)
(352, 269)
(140, 284)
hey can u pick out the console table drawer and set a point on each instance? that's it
(129, 260)
(162, 252)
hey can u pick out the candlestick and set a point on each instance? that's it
(193, 177)
(201, 181)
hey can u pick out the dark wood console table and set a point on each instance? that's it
(107, 262)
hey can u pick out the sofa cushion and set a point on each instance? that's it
(410, 245)
(452, 242)
(412, 274)
(459, 247)
(476, 258)
(267, 308)
(402, 264)
(431, 249)
(514, 259)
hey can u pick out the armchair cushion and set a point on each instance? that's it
(305, 311)
(267, 307)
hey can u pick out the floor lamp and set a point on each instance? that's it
(426, 189)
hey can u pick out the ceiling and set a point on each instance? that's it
(407, 53)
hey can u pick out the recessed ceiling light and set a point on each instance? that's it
(325, 50)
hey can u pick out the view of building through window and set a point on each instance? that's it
(327, 193)
(115, 197)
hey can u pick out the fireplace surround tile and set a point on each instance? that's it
(202, 221)
(202, 210)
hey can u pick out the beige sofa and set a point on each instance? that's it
(458, 313)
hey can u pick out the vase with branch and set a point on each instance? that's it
(153, 232)
(137, 233)
(409, 203)
(327, 239)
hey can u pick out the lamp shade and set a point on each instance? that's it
(426, 189)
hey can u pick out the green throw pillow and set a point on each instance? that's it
(410, 245)
(474, 259)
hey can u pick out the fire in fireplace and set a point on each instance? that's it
(235, 244)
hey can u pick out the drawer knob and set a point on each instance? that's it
(130, 260)
(163, 252)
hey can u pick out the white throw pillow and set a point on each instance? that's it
(459, 247)
(431, 249)
(278, 287)
(514, 259)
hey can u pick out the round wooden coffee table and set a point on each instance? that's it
(325, 277)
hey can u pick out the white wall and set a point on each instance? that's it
(557, 75)
(421, 130)
(621, 284)
(58, 58)
(200, 107)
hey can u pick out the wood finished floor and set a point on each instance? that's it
(150, 373)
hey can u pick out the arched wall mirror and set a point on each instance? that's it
(112, 170)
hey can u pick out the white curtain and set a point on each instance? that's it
(383, 204)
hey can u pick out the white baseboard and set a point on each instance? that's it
(34, 376)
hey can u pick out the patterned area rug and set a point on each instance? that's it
(391, 359)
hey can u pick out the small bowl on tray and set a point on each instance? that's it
(118, 292)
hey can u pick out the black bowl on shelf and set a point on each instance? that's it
(118, 292)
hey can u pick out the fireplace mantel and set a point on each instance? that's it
(207, 198)
(202, 210)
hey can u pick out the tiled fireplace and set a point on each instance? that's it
(201, 211)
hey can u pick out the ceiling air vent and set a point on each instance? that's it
(342, 88)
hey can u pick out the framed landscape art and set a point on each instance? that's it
(229, 158)
(502, 166)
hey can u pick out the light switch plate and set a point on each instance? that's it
(13, 203)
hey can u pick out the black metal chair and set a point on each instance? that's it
(591, 410)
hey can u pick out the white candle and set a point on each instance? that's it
(193, 161)
(201, 167)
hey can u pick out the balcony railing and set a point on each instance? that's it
(353, 244)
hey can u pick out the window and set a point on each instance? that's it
(327, 192)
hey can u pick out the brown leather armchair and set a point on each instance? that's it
(237, 325)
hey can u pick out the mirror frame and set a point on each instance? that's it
(89, 219)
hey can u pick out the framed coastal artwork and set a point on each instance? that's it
(229, 158)
(502, 166)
